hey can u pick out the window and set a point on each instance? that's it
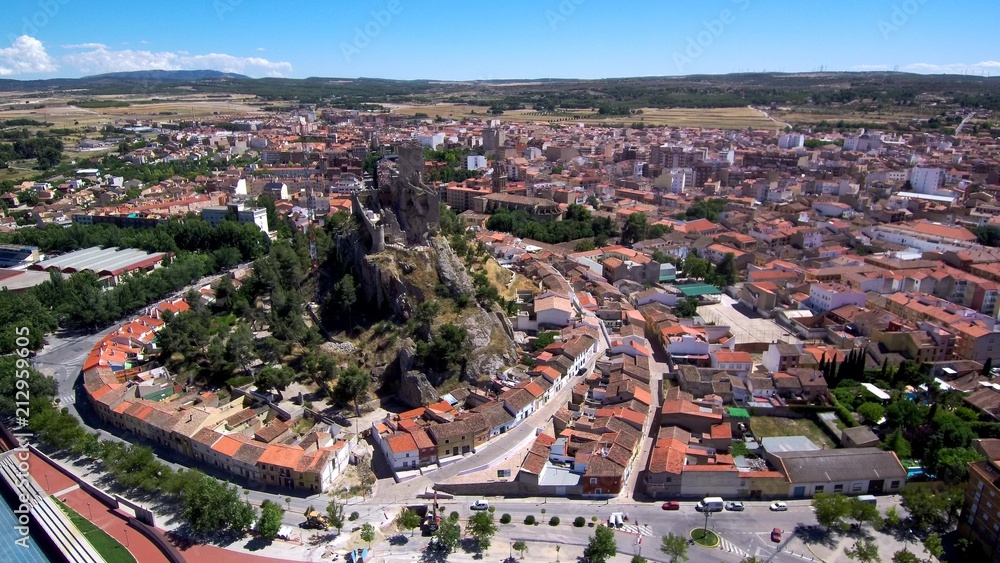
(856, 488)
(593, 480)
(894, 485)
(838, 488)
(447, 441)
(819, 489)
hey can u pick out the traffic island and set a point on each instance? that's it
(705, 538)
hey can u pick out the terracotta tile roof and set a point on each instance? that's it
(281, 455)
(401, 442)
(227, 446)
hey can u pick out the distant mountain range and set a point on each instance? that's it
(616, 96)
(166, 75)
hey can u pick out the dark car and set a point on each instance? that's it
(671, 505)
(776, 535)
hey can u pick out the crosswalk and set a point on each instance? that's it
(636, 530)
(729, 546)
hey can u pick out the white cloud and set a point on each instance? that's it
(101, 59)
(261, 49)
(955, 68)
(870, 67)
(85, 46)
(25, 56)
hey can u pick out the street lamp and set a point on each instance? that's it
(126, 537)
(47, 487)
(89, 511)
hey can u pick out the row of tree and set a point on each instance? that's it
(577, 224)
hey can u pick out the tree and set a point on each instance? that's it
(905, 556)
(863, 512)
(345, 295)
(409, 520)
(585, 246)
(521, 547)
(335, 512)
(727, 269)
(871, 413)
(269, 523)
(352, 383)
(952, 464)
(933, 545)
(687, 308)
(639, 559)
(904, 413)
(448, 534)
(897, 443)
(544, 339)
(675, 547)
(482, 528)
(751, 559)
(892, 517)
(831, 509)
(634, 230)
(602, 545)
(240, 346)
(865, 551)
(274, 378)
(368, 533)
(926, 509)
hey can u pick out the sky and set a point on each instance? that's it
(491, 40)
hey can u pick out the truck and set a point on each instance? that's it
(710, 504)
(869, 499)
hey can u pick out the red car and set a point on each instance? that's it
(671, 505)
(776, 535)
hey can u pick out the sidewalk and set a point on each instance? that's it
(112, 522)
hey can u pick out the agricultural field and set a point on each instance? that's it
(712, 118)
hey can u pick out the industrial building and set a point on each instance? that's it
(110, 264)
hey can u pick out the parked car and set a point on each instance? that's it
(671, 505)
(778, 506)
(776, 535)
(480, 504)
(735, 506)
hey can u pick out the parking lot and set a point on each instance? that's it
(745, 328)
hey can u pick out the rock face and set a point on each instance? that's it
(415, 391)
(490, 348)
(450, 270)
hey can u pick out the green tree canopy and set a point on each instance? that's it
(602, 545)
(675, 547)
(269, 523)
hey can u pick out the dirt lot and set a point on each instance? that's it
(768, 426)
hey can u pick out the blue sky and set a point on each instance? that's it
(407, 39)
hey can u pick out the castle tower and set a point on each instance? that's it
(499, 179)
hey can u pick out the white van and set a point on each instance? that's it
(710, 504)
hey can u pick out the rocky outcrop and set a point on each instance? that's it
(415, 390)
(451, 271)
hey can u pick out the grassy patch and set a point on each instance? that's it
(705, 538)
(107, 546)
(767, 426)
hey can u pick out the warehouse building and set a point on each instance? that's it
(110, 264)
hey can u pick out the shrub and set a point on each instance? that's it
(505, 519)
(579, 522)
(491, 509)
(453, 516)
(354, 516)
(554, 521)
(529, 519)
(543, 511)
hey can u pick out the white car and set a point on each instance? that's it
(480, 505)
(778, 506)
